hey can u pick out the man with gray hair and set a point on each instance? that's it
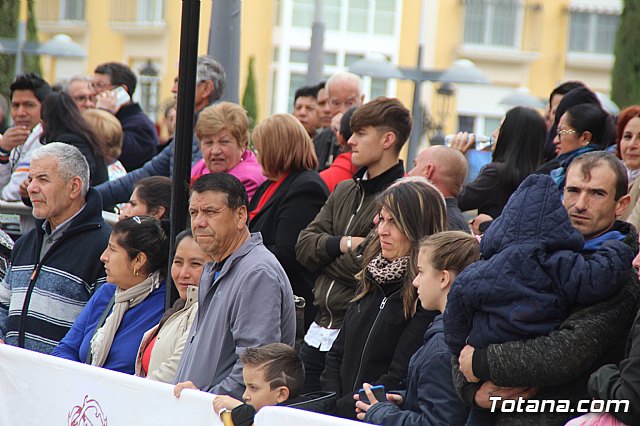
(55, 268)
(79, 88)
(210, 84)
(344, 90)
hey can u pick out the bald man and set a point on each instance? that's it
(447, 169)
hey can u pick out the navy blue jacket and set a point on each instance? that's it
(431, 398)
(124, 349)
(140, 141)
(119, 190)
(532, 273)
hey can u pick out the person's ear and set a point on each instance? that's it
(207, 88)
(429, 169)
(140, 261)
(622, 205)
(158, 212)
(586, 137)
(388, 140)
(446, 278)
(283, 394)
(75, 187)
(242, 214)
(125, 87)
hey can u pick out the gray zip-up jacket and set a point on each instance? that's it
(249, 304)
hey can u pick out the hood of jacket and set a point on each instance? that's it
(534, 214)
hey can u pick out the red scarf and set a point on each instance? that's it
(266, 196)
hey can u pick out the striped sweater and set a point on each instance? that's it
(39, 301)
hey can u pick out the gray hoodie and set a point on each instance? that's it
(250, 304)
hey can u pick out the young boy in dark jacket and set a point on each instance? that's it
(430, 398)
(273, 375)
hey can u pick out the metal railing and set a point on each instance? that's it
(60, 11)
(138, 12)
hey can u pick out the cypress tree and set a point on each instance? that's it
(249, 98)
(625, 76)
(8, 29)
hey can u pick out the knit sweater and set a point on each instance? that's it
(39, 301)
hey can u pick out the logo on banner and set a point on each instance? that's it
(88, 414)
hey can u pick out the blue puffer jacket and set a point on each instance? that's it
(533, 273)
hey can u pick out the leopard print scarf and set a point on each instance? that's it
(382, 270)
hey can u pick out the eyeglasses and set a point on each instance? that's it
(565, 132)
(84, 98)
(99, 86)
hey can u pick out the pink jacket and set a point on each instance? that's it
(248, 171)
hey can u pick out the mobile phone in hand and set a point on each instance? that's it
(122, 97)
(378, 391)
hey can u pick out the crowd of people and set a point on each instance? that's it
(318, 270)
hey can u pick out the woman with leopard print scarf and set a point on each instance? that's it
(385, 323)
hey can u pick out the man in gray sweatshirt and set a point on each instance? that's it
(244, 300)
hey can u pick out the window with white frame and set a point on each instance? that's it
(592, 32)
(72, 10)
(361, 16)
(493, 22)
(150, 11)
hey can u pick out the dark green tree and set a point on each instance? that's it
(8, 28)
(32, 62)
(249, 98)
(9, 10)
(625, 76)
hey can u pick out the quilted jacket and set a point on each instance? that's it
(532, 274)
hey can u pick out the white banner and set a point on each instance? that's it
(285, 416)
(37, 389)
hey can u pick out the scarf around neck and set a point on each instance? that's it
(559, 175)
(382, 270)
(124, 300)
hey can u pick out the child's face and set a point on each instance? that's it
(258, 392)
(427, 281)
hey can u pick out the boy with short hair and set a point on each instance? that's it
(273, 375)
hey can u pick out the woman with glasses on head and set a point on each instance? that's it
(151, 196)
(108, 331)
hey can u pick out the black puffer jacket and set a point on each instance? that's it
(375, 345)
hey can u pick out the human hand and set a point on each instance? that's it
(466, 363)
(479, 220)
(177, 390)
(14, 137)
(221, 402)
(463, 142)
(22, 189)
(107, 101)
(489, 388)
(361, 406)
(335, 123)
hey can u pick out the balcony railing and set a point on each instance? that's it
(139, 12)
(57, 15)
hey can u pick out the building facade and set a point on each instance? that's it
(530, 43)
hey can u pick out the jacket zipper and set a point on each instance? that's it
(32, 282)
(366, 342)
(326, 299)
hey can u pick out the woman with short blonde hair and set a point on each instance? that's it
(283, 144)
(289, 200)
(223, 133)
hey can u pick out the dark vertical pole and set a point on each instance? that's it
(315, 67)
(224, 43)
(189, 29)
